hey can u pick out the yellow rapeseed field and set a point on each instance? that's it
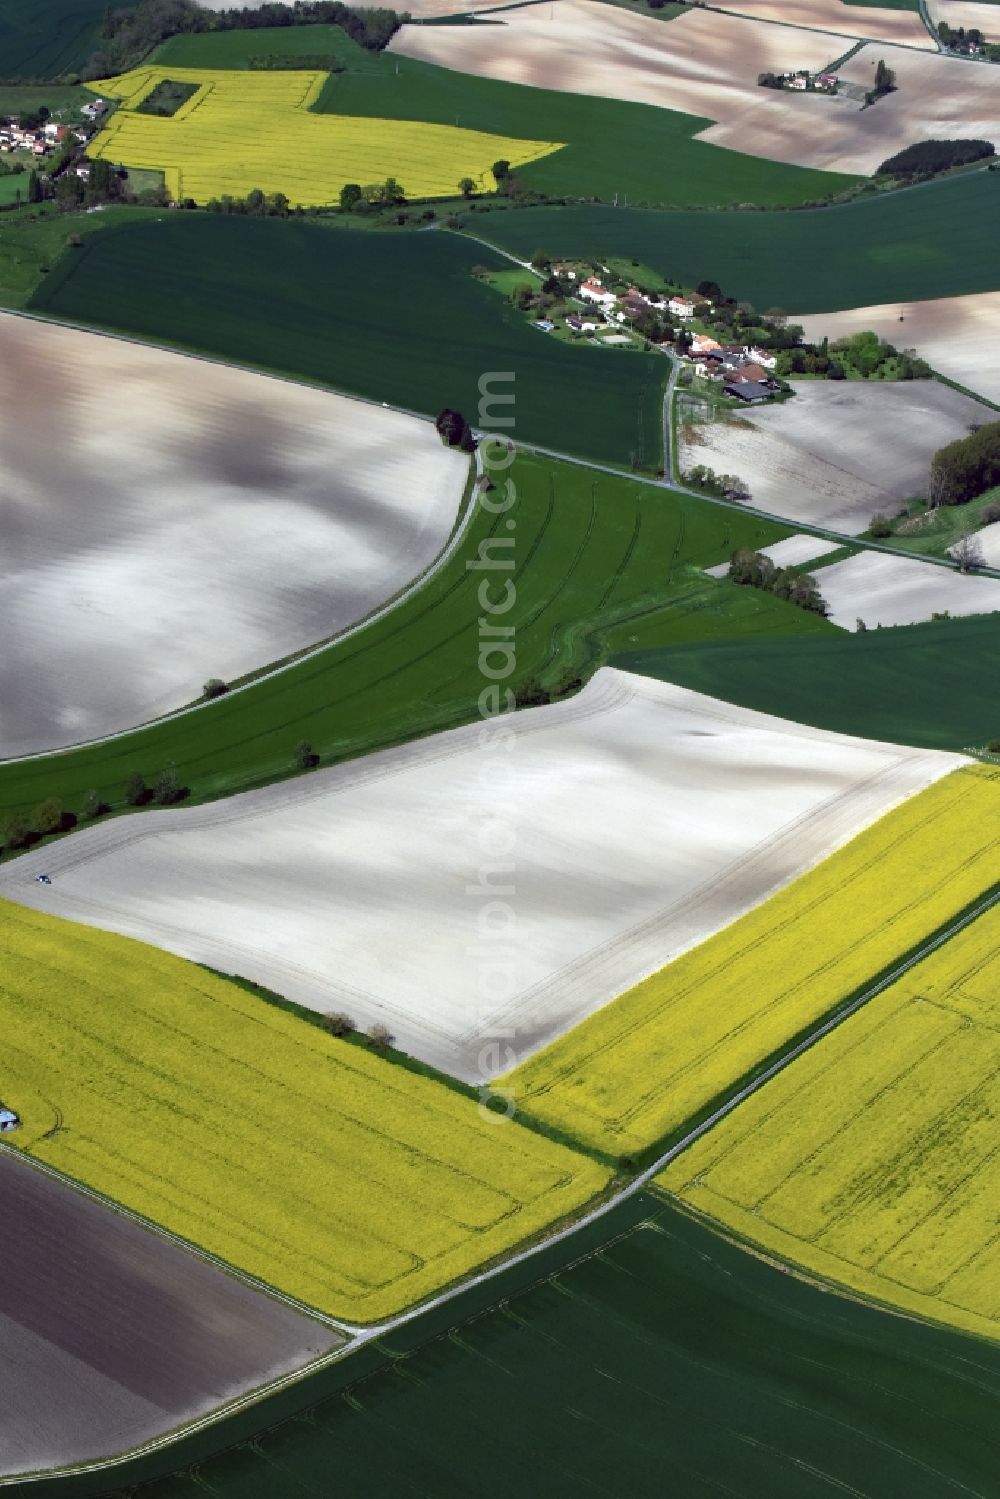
(634, 1071)
(255, 130)
(873, 1160)
(327, 1171)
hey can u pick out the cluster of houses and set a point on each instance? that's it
(802, 81)
(51, 135)
(746, 372)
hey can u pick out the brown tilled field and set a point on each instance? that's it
(966, 13)
(706, 63)
(111, 1335)
(834, 15)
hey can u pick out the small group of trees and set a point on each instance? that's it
(753, 570)
(928, 157)
(257, 204)
(885, 82)
(51, 817)
(454, 430)
(864, 354)
(722, 486)
(961, 38)
(341, 1025)
(966, 468)
(129, 35)
(356, 197)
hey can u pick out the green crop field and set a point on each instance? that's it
(612, 148)
(935, 240)
(646, 1357)
(263, 46)
(928, 684)
(30, 245)
(13, 186)
(47, 38)
(601, 562)
(393, 317)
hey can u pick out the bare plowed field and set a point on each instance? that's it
(166, 520)
(966, 13)
(706, 64)
(885, 590)
(960, 336)
(481, 898)
(112, 1335)
(880, 24)
(841, 450)
(936, 98)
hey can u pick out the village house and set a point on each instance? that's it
(681, 307)
(594, 291)
(701, 343)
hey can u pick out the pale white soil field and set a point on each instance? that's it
(960, 336)
(965, 13)
(166, 520)
(841, 450)
(989, 543)
(706, 63)
(833, 15)
(489, 887)
(886, 590)
(791, 552)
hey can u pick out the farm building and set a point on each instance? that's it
(749, 391)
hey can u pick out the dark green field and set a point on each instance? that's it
(635, 151)
(663, 1362)
(936, 240)
(602, 563)
(393, 317)
(936, 685)
(47, 38)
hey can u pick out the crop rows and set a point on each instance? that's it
(873, 1158)
(309, 1162)
(661, 1052)
(242, 131)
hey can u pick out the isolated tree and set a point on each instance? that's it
(48, 817)
(968, 553)
(167, 789)
(885, 77)
(452, 427)
(500, 170)
(135, 790)
(16, 833)
(34, 188)
(379, 1036)
(880, 525)
(540, 260)
(305, 756)
(393, 191)
(467, 186)
(339, 1024)
(214, 687)
(93, 805)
